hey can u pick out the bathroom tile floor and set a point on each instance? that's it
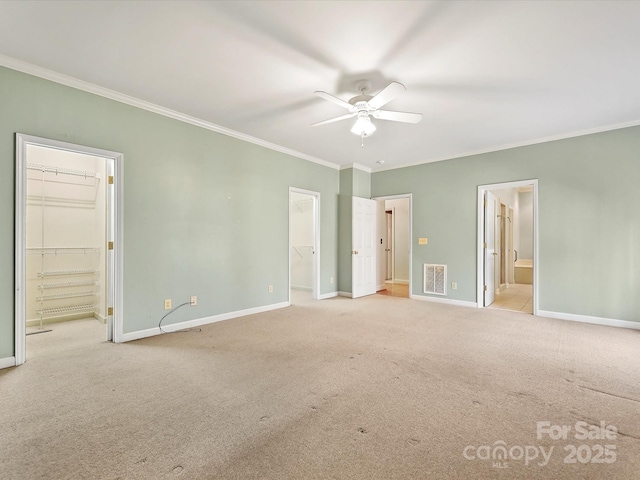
(518, 297)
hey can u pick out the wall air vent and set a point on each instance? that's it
(435, 279)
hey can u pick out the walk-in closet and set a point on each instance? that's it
(65, 238)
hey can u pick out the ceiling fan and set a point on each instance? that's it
(365, 106)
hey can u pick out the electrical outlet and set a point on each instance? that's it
(194, 300)
(331, 280)
(167, 304)
(454, 286)
(270, 288)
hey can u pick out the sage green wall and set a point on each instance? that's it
(589, 218)
(204, 214)
(353, 183)
(361, 183)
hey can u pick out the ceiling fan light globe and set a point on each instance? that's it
(363, 127)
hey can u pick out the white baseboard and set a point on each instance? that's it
(400, 281)
(7, 362)
(34, 322)
(448, 301)
(172, 327)
(609, 322)
(345, 294)
(324, 296)
(300, 287)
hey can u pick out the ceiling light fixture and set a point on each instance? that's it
(363, 126)
(365, 106)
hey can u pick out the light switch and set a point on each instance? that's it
(423, 241)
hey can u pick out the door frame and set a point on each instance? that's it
(396, 197)
(315, 290)
(489, 252)
(480, 237)
(390, 265)
(114, 232)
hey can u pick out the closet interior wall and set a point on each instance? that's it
(65, 236)
(302, 241)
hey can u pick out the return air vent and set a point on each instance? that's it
(435, 279)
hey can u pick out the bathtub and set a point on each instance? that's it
(523, 269)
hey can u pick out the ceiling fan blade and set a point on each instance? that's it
(390, 92)
(337, 119)
(336, 100)
(398, 116)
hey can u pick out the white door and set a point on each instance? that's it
(111, 258)
(510, 249)
(389, 248)
(489, 248)
(363, 251)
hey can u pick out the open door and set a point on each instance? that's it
(489, 248)
(363, 251)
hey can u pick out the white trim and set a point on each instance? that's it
(480, 238)
(20, 302)
(400, 281)
(609, 322)
(356, 166)
(301, 287)
(345, 294)
(115, 207)
(7, 362)
(447, 301)
(172, 327)
(552, 138)
(56, 77)
(324, 296)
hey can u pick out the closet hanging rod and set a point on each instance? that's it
(80, 283)
(82, 271)
(90, 307)
(65, 171)
(82, 250)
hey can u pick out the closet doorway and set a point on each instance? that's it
(304, 245)
(67, 244)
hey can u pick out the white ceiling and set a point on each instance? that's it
(485, 74)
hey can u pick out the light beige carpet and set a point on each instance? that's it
(374, 388)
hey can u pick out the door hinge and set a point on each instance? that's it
(110, 311)
(484, 245)
(485, 288)
(110, 246)
(110, 179)
(485, 203)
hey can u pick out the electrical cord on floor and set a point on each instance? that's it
(185, 330)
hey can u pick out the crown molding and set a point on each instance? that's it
(30, 69)
(562, 136)
(356, 166)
